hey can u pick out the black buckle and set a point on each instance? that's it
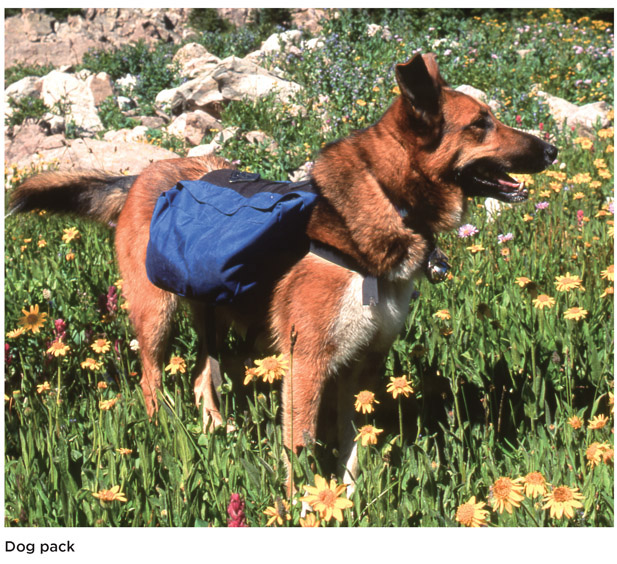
(241, 176)
(437, 266)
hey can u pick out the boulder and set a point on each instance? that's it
(101, 87)
(193, 126)
(72, 98)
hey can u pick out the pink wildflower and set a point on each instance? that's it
(235, 510)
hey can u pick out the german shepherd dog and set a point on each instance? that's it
(386, 191)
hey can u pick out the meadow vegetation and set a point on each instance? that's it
(497, 405)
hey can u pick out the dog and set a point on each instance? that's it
(385, 193)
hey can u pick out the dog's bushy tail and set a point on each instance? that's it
(92, 194)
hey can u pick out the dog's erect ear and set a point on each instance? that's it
(420, 83)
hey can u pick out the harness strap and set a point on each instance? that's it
(370, 286)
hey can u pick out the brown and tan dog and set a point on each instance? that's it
(386, 191)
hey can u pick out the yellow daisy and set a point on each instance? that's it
(250, 374)
(534, 484)
(100, 346)
(70, 234)
(15, 333)
(272, 368)
(442, 314)
(368, 435)
(575, 422)
(597, 422)
(106, 405)
(32, 320)
(58, 348)
(472, 514)
(326, 498)
(522, 281)
(567, 282)
(475, 249)
(114, 494)
(91, 364)
(506, 493)
(124, 451)
(594, 453)
(176, 364)
(311, 520)
(575, 313)
(44, 387)
(608, 274)
(543, 301)
(278, 512)
(562, 501)
(399, 386)
(364, 401)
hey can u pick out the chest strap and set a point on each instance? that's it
(370, 286)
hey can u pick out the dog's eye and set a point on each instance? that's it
(482, 123)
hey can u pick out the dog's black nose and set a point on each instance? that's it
(550, 153)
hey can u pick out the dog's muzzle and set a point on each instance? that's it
(437, 266)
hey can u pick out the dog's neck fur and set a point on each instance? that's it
(359, 169)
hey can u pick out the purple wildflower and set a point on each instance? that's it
(541, 205)
(503, 238)
(235, 510)
(467, 230)
(580, 214)
(60, 329)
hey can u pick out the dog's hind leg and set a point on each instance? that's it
(207, 370)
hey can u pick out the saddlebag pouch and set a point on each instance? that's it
(217, 238)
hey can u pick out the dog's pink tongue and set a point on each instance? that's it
(511, 183)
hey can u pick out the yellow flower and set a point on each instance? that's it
(471, 513)
(15, 333)
(58, 348)
(44, 387)
(250, 374)
(606, 133)
(562, 501)
(326, 498)
(522, 281)
(114, 494)
(475, 249)
(91, 364)
(543, 301)
(527, 217)
(124, 451)
(70, 256)
(442, 314)
(32, 320)
(611, 401)
(575, 313)
(272, 368)
(534, 484)
(567, 282)
(594, 453)
(70, 234)
(106, 405)
(368, 435)
(506, 493)
(398, 386)
(176, 364)
(311, 520)
(575, 422)
(100, 346)
(42, 243)
(278, 512)
(597, 422)
(101, 385)
(608, 456)
(608, 292)
(361, 102)
(364, 401)
(608, 274)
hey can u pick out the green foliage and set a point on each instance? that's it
(111, 116)
(152, 67)
(17, 72)
(28, 107)
(495, 380)
(208, 19)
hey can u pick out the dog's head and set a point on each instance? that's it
(464, 143)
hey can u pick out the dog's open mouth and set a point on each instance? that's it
(487, 179)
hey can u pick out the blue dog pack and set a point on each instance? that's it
(216, 238)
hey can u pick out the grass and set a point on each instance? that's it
(496, 380)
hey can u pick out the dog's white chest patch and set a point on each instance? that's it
(360, 327)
